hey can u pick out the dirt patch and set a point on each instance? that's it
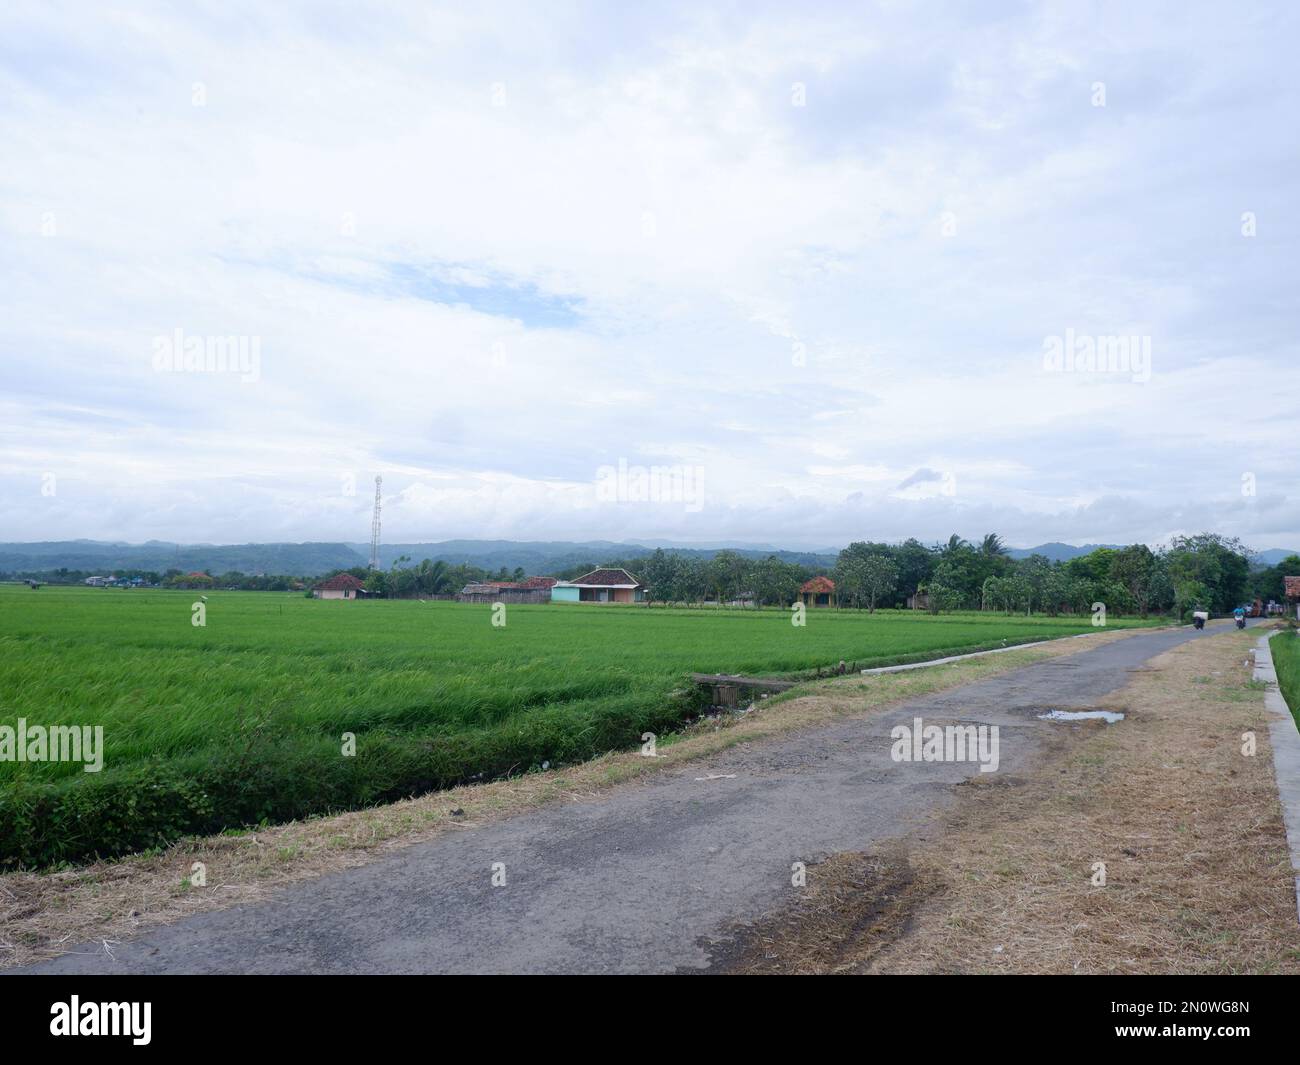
(1196, 870)
(851, 907)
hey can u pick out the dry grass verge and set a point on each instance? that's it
(1189, 828)
(46, 914)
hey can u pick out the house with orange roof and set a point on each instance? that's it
(820, 591)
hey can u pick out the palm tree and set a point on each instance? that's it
(992, 545)
(432, 576)
(955, 543)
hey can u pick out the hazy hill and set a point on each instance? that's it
(545, 556)
(1057, 552)
(311, 559)
(1274, 555)
(96, 555)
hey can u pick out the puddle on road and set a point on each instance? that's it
(1108, 716)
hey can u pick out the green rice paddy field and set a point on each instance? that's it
(241, 721)
(1285, 648)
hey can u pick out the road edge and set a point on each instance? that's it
(907, 666)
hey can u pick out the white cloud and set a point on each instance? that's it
(646, 252)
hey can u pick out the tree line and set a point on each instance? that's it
(405, 579)
(1205, 571)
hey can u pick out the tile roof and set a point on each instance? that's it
(341, 582)
(532, 584)
(818, 585)
(607, 578)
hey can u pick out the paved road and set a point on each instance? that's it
(629, 881)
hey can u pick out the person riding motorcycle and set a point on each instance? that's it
(1240, 616)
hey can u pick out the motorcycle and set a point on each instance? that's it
(1241, 623)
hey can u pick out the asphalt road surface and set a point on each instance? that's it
(631, 880)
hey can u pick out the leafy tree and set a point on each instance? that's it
(848, 574)
(915, 564)
(959, 570)
(1132, 567)
(694, 581)
(943, 598)
(1191, 594)
(1219, 564)
(1035, 572)
(728, 575)
(997, 593)
(775, 583)
(1058, 591)
(1159, 585)
(658, 572)
(865, 572)
(1266, 583)
(1094, 566)
(879, 579)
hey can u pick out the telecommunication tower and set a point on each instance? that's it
(374, 527)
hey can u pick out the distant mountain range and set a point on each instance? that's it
(1058, 552)
(312, 559)
(1274, 555)
(545, 556)
(297, 559)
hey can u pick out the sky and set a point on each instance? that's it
(774, 273)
